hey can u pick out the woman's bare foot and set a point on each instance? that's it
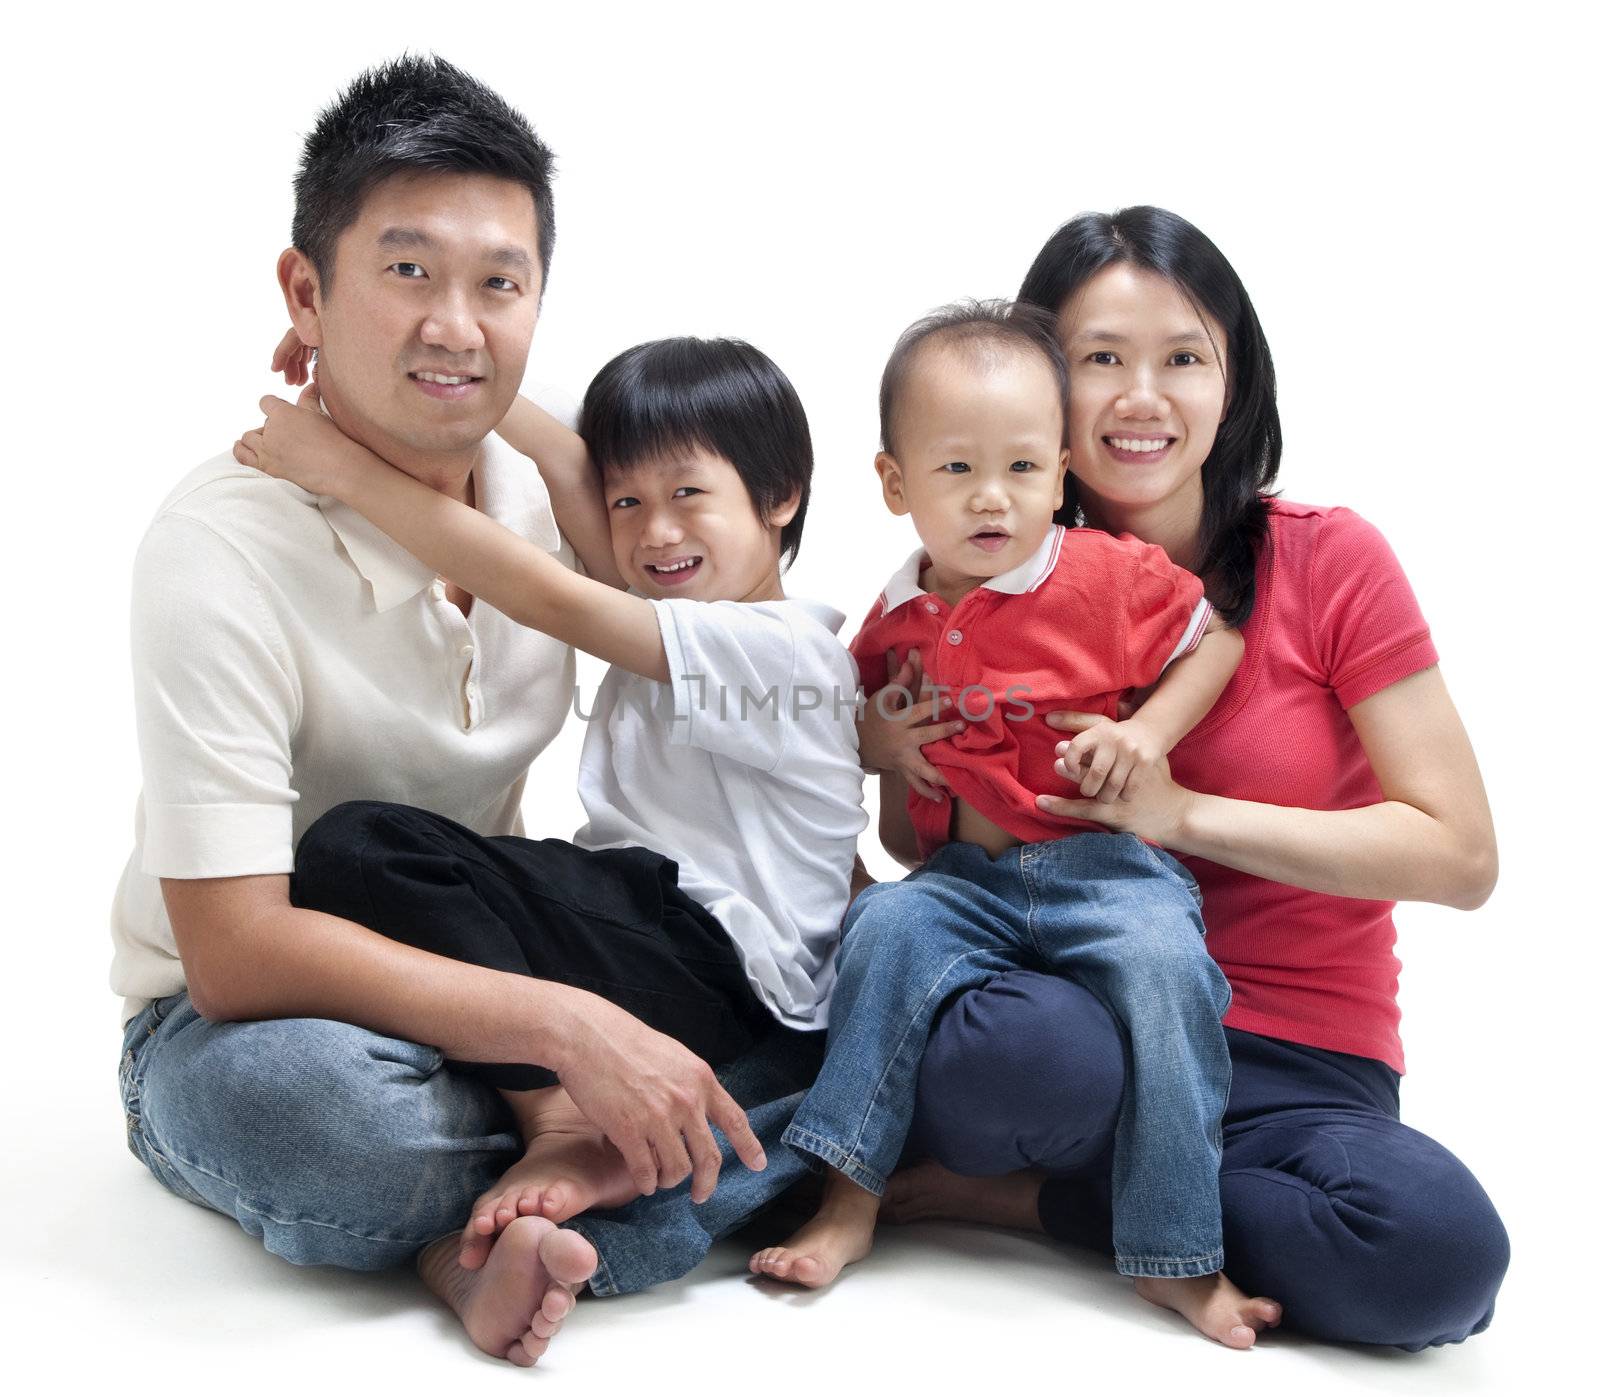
(1214, 1305)
(568, 1168)
(840, 1233)
(929, 1191)
(512, 1306)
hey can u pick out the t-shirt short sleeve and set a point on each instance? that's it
(216, 706)
(733, 677)
(1370, 631)
(1166, 611)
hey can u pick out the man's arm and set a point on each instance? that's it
(248, 953)
(573, 482)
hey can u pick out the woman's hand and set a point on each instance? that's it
(894, 729)
(297, 442)
(1155, 809)
(295, 360)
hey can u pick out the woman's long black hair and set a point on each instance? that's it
(1238, 474)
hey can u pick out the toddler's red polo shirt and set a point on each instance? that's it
(1075, 626)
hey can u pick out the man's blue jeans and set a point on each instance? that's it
(1115, 914)
(341, 1147)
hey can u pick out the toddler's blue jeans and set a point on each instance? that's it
(1118, 916)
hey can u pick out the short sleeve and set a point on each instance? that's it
(733, 678)
(216, 706)
(1369, 630)
(1165, 613)
(869, 651)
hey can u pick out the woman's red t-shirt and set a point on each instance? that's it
(1334, 622)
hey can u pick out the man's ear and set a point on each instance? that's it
(302, 294)
(893, 481)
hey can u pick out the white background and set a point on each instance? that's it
(1405, 191)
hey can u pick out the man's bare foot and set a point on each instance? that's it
(569, 1167)
(840, 1233)
(1214, 1305)
(929, 1191)
(512, 1306)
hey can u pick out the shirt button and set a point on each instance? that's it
(933, 607)
(438, 591)
(954, 637)
(466, 652)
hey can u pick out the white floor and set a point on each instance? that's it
(107, 1279)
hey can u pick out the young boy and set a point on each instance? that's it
(720, 771)
(1015, 616)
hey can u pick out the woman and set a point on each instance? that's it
(1332, 779)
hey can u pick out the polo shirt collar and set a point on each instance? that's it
(394, 575)
(1029, 574)
(906, 584)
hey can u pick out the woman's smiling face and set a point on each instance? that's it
(1148, 391)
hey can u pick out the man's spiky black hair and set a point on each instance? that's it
(420, 115)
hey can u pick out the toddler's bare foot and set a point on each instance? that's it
(840, 1233)
(1214, 1305)
(569, 1167)
(929, 1191)
(513, 1305)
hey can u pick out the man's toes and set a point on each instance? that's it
(557, 1303)
(474, 1252)
(553, 1201)
(568, 1256)
(542, 1327)
(527, 1350)
(1239, 1336)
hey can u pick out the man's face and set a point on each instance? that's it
(426, 327)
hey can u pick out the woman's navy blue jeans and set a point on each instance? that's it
(1365, 1230)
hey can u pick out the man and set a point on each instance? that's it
(288, 657)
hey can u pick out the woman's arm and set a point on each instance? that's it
(895, 830)
(1110, 760)
(1431, 838)
(513, 575)
(573, 482)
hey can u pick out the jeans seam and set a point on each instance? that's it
(852, 1167)
(171, 1157)
(1171, 1267)
(933, 993)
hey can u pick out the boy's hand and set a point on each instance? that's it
(294, 359)
(1108, 760)
(894, 730)
(297, 442)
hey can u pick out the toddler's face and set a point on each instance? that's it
(980, 465)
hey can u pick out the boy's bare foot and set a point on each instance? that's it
(929, 1191)
(840, 1233)
(568, 1168)
(1214, 1305)
(513, 1305)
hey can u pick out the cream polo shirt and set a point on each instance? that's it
(287, 656)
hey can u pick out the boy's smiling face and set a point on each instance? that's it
(683, 525)
(979, 463)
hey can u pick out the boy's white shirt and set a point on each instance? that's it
(745, 771)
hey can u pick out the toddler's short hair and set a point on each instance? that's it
(982, 329)
(721, 396)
